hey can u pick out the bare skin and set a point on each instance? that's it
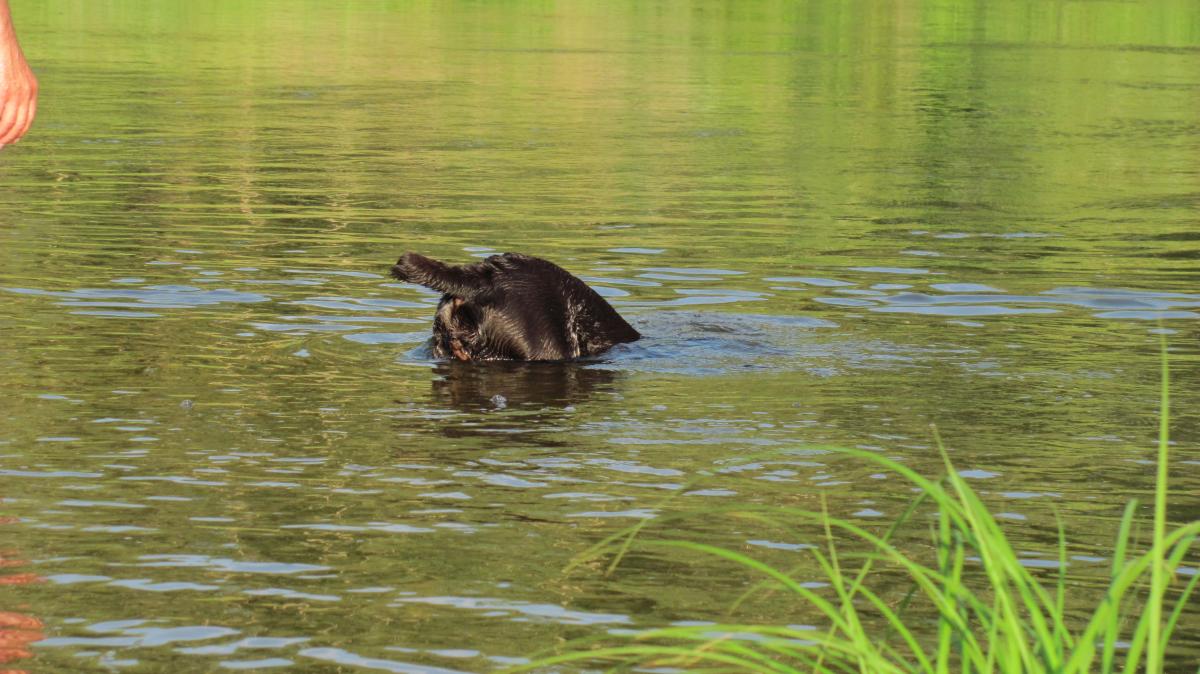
(18, 86)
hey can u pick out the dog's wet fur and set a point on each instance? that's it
(514, 307)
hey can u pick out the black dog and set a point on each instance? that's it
(514, 307)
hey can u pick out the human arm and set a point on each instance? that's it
(18, 86)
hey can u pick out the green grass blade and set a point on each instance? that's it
(763, 586)
(1148, 634)
(1012, 583)
(930, 581)
(992, 640)
(945, 631)
(834, 573)
(853, 631)
(896, 625)
(838, 652)
(1180, 604)
(959, 590)
(766, 585)
(1062, 637)
(1110, 609)
(674, 655)
(1158, 577)
(816, 600)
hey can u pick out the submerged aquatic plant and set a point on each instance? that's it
(989, 612)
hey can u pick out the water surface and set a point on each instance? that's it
(223, 446)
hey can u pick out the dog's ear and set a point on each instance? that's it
(466, 282)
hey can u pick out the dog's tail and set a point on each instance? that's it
(465, 282)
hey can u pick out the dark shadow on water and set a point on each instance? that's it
(523, 404)
(473, 387)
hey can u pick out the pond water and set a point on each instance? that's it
(222, 445)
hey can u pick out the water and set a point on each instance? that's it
(224, 447)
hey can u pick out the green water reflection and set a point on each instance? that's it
(836, 223)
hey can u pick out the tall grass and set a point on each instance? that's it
(989, 613)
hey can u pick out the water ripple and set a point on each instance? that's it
(346, 658)
(521, 610)
(227, 565)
